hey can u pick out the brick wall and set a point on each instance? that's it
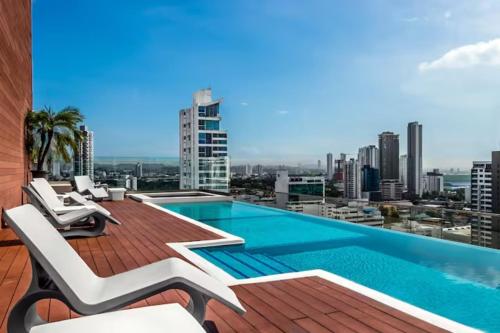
(15, 97)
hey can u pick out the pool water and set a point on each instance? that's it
(457, 281)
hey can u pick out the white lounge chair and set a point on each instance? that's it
(71, 218)
(85, 185)
(58, 272)
(47, 192)
(55, 201)
(151, 319)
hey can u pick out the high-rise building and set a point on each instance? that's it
(495, 182)
(481, 188)
(319, 164)
(495, 200)
(389, 155)
(433, 182)
(138, 170)
(369, 155)
(403, 171)
(338, 173)
(329, 166)
(352, 179)
(414, 164)
(204, 163)
(84, 156)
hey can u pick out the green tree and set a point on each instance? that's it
(54, 133)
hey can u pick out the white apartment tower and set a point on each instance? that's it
(403, 171)
(352, 179)
(84, 156)
(481, 186)
(204, 163)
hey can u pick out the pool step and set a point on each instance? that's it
(245, 265)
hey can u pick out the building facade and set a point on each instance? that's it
(370, 179)
(84, 156)
(300, 185)
(204, 161)
(15, 98)
(391, 189)
(389, 155)
(414, 163)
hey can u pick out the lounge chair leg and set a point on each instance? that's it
(96, 230)
(197, 305)
(23, 315)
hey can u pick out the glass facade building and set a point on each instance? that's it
(204, 161)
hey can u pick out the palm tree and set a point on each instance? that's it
(54, 133)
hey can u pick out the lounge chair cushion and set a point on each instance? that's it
(151, 319)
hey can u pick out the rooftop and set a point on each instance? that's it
(307, 304)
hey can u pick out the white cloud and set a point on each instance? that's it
(482, 53)
(282, 112)
(244, 104)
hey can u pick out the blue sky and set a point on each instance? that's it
(299, 78)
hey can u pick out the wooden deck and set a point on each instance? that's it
(296, 305)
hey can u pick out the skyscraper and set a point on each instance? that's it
(414, 164)
(369, 155)
(495, 200)
(84, 156)
(319, 164)
(495, 182)
(481, 201)
(204, 163)
(389, 155)
(329, 166)
(352, 179)
(403, 171)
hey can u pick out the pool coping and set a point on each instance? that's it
(184, 249)
(155, 197)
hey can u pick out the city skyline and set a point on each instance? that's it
(348, 80)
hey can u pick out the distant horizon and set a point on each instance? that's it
(106, 159)
(298, 79)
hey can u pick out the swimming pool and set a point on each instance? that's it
(457, 281)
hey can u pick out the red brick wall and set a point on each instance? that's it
(15, 97)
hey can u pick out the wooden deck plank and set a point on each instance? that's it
(298, 305)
